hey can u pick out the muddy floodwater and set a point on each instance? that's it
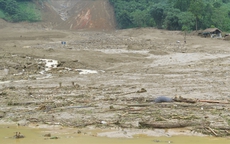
(72, 136)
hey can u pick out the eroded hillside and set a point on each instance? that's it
(79, 14)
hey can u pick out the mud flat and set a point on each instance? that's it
(109, 80)
(66, 135)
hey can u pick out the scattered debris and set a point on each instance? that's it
(85, 71)
(169, 124)
(18, 135)
(54, 137)
(2, 114)
(47, 135)
(103, 122)
(49, 63)
(181, 99)
(142, 90)
(213, 101)
(65, 95)
(79, 132)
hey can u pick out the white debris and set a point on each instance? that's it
(26, 47)
(103, 122)
(49, 64)
(85, 71)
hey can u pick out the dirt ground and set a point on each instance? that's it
(108, 79)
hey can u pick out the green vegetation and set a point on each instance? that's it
(2, 15)
(18, 10)
(173, 14)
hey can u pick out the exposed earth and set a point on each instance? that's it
(108, 79)
(78, 14)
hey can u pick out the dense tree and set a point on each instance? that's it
(158, 13)
(124, 19)
(18, 10)
(139, 18)
(220, 17)
(171, 21)
(173, 14)
(197, 8)
(186, 21)
(182, 5)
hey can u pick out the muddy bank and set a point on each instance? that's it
(58, 135)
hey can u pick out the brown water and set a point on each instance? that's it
(35, 136)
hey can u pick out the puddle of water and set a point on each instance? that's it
(35, 136)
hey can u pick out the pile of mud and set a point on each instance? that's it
(227, 38)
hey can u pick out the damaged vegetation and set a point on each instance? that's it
(59, 103)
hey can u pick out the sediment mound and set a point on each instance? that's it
(227, 38)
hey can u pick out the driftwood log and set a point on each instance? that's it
(213, 101)
(181, 99)
(219, 131)
(167, 125)
(28, 103)
(188, 100)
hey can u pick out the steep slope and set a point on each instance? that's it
(49, 14)
(80, 14)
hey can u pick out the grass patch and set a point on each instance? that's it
(28, 12)
(23, 11)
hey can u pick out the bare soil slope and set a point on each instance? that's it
(79, 14)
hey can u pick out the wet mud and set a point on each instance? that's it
(110, 80)
(71, 136)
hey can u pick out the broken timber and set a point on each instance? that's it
(166, 125)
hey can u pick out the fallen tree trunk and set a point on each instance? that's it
(215, 127)
(221, 127)
(186, 100)
(28, 103)
(139, 105)
(213, 101)
(167, 125)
